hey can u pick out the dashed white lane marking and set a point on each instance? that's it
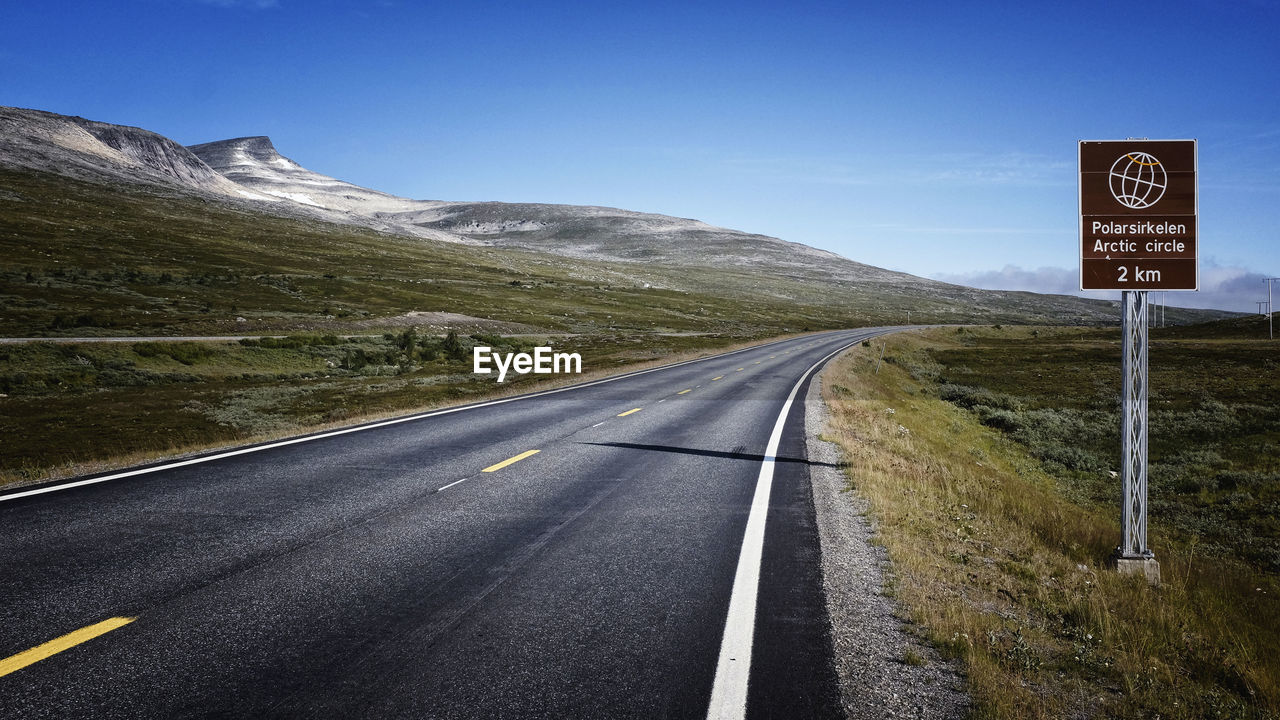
(455, 482)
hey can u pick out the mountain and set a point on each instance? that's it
(586, 232)
(251, 169)
(109, 216)
(254, 163)
(101, 152)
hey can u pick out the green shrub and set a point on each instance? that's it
(452, 347)
(1247, 480)
(1007, 420)
(187, 353)
(1071, 458)
(292, 342)
(1209, 420)
(408, 341)
(971, 397)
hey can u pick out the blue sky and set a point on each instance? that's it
(937, 138)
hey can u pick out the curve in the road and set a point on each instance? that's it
(379, 571)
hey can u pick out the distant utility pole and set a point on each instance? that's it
(908, 317)
(1157, 313)
(1270, 327)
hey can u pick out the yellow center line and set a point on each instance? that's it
(756, 362)
(716, 378)
(738, 370)
(685, 391)
(632, 410)
(509, 461)
(14, 663)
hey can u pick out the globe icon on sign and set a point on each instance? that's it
(1138, 180)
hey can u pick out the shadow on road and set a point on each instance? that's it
(712, 453)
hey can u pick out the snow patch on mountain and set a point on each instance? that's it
(296, 197)
(254, 163)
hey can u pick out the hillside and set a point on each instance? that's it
(591, 233)
(108, 229)
(101, 152)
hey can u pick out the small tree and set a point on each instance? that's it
(453, 348)
(355, 360)
(408, 341)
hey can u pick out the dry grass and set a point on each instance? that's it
(166, 445)
(997, 567)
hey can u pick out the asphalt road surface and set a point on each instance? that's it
(435, 567)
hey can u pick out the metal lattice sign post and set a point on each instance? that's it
(1133, 428)
(1138, 232)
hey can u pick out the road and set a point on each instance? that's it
(437, 567)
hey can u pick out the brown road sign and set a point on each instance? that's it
(1138, 228)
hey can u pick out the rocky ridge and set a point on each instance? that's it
(102, 152)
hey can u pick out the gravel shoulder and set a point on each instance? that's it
(871, 640)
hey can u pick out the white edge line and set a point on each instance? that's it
(733, 669)
(455, 482)
(359, 428)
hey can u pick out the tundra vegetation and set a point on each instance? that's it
(82, 259)
(79, 407)
(79, 259)
(989, 456)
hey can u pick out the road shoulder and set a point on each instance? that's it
(870, 640)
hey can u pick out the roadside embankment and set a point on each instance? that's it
(998, 543)
(885, 670)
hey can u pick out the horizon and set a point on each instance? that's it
(820, 127)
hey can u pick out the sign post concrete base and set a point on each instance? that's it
(1147, 567)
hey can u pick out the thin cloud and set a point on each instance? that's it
(1052, 280)
(799, 170)
(1221, 287)
(967, 169)
(998, 169)
(960, 230)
